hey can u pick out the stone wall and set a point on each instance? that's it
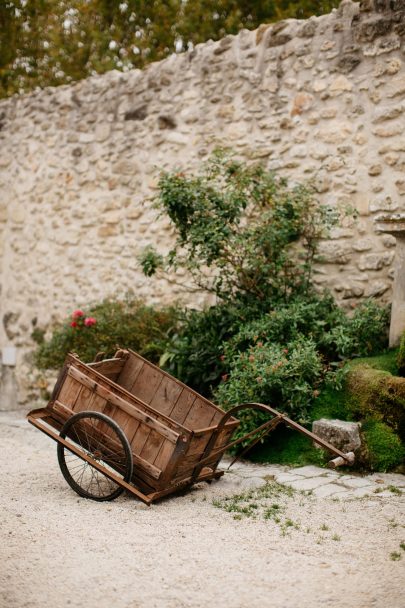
(321, 99)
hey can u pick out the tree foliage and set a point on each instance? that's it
(51, 42)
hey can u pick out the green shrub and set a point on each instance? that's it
(336, 335)
(194, 353)
(128, 323)
(255, 233)
(401, 356)
(362, 334)
(384, 449)
(285, 377)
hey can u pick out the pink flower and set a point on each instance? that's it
(224, 377)
(73, 324)
(77, 313)
(89, 321)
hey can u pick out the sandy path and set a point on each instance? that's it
(59, 550)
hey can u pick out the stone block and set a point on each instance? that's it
(333, 252)
(388, 113)
(373, 261)
(344, 436)
(340, 85)
(377, 288)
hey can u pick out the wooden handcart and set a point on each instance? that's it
(125, 424)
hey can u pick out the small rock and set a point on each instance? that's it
(345, 436)
(339, 85)
(375, 170)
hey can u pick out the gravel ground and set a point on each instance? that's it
(275, 548)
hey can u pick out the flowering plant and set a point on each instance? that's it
(79, 320)
(105, 327)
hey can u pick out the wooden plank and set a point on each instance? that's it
(200, 415)
(98, 404)
(164, 455)
(110, 368)
(69, 391)
(152, 446)
(83, 401)
(166, 396)
(145, 387)
(186, 468)
(184, 386)
(169, 469)
(130, 428)
(147, 383)
(164, 400)
(139, 439)
(127, 407)
(230, 424)
(196, 450)
(217, 418)
(198, 445)
(182, 406)
(130, 372)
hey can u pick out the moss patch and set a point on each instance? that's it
(285, 446)
(384, 448)
(377, 394)
(387, 362)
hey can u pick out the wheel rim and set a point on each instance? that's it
(101, 439)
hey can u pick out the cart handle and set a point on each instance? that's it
(277, 417)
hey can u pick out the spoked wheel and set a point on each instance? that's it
(101, 439)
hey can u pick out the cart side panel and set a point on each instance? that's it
(145, 440)
(130, 372)
(119, 391)
(167, 394)
(200, 415)
(182, 406)
(69, 391)
(196, 450)
(147, 383)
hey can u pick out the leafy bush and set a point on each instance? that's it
(401, 356)
(194, 354)
(285, 377)
(256, 235)
(362, 334)
(128, 323)
(336, 335)
(384, 449)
